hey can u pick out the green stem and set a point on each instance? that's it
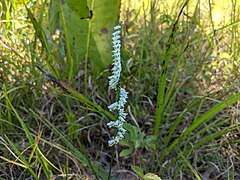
(110, 170)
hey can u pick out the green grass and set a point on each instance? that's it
(181, 70)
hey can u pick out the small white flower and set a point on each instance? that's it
(113, 106)
(111, 124)
(123, 93)
(122, 113)
(116, 139)
(117, 46)
(116, 51)
(116, 37)
(122, 130)
(120, 135)
(123, 97)
(121, 118)
(111, 142)
(117, 59)
(117, 27)
(116, 42)
(118, 124)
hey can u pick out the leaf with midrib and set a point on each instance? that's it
(90, 38)
(79, 7)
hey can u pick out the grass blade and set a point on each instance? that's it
(205, 117)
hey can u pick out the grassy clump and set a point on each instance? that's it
(181, 69)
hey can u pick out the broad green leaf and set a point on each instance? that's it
(138, 171)
(150, 139)
(137, 143)
(53, 16)
(89, 39)
(151, 176)
(124, 142)
(125, 152)
(79, 7)
(130, 129)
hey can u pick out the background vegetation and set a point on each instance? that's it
(181, 66)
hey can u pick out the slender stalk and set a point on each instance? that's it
(163, 75)
(68, 49)
(110, 169)
(162, 81)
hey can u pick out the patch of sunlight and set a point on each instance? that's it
(221, 10)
